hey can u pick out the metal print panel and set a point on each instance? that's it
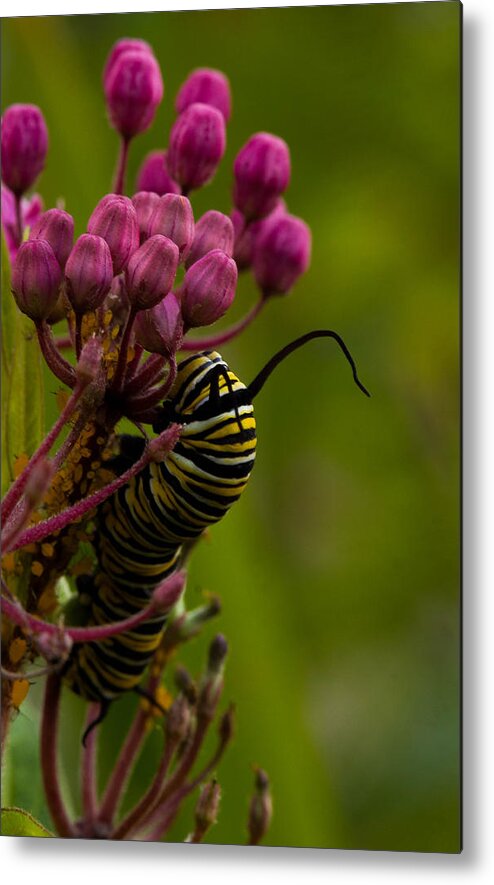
(230, 427)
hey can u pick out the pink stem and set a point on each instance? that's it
(151, 370)
(171, 587)
(18, 219)
(78, 334)
(58, 365)
(88, 770)
(131, 822)
(124, 347)
(143, 403)
(134, 363)
(228, 334)
(119, 184)
(49, 728)
(16, 490)
(64, 342)
(123, 768)
(166, 440)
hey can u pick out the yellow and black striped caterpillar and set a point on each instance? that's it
(141, 529)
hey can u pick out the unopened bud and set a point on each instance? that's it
(126, 44)
(36, 279)
(213, 231)
(208, 289)
(178, 720)
(207, 86)
(154, 176)
(150, 273)
(186, 684)
(173, 218)
(133, 90)
(89, 362)
(160, 330)
(31, 209)
(197, 144)
(145, 204)
(24, 146)
(218, 651)
(56, 227)
(261, 809)
(115, 219)
(281, 254)
(88, 273)
(206, 811)
(226, 726)
(262, 173)
(247, 234)
(39, 482)
(167, 593)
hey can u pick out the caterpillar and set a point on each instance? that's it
(141, 529)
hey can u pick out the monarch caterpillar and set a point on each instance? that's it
(141, 529)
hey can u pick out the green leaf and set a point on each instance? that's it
(17, 822)
(22, 400)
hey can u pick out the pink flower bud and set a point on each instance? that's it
(247, 233)
(160, 330)
(145, 204)
(127, 44)
(24, 146)
(281, 254)
(207, 86)
(89, 273)
(197, 144)
(151, 271)
(213, 231)
(154, 176)
(262, 173)
(31, 209)
(57, 228)
(173, 218)
(115, 219)
(133, 90)
(208, 289)
(36, 279)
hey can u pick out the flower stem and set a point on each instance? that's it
(17, 489)
(88, 770)
(122, 356)
(150, 371)
(227, 334)
(131, 822)
(156, 396)
(119, 182)
(167, 440)
(58, 365)
(49, 728)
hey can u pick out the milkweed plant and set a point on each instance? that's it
(127, 294)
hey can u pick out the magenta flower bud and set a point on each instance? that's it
(197, 144)
(24, 146)
(154, 176)
(133, 90)
(115, 219)
(208, 289)
(150, 273)
(31, 209)
(247, 233)
(160, 330)
(145, 204)
(207, 86)
(127, 44)
(56, 227)
(173, 218)
(213, 231)
(281, 254)
(36, 279)
(88, 273)
(262, 173)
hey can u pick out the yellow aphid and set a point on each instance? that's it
(115, 331)
(17, 650)
(19, 692)
(19, 464)
(47, 550)
(37, 568)
(47, 601)
(9, 562)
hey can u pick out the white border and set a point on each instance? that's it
(43, 861)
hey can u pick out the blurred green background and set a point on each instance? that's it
(339, 569)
